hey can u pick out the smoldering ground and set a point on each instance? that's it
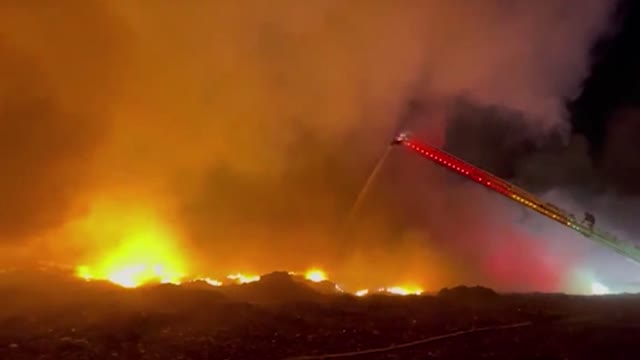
(253, 124)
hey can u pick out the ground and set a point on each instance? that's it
(65, 320)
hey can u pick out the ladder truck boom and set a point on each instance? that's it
(519, 195)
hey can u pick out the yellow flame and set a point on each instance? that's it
(243, 278)
(315, 275)
(404, 290)
(83, 272)
(144, 249)
(210, 281)
(134, 247)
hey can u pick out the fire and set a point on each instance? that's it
(393, 290)
(84, 272)
(134, 276)
(210, 281)
(133, 246)
(144, 249)
(402, 290)
(243, 278)
(316, 275)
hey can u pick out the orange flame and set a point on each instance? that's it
(243, 278)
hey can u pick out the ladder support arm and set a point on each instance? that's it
(518, 195)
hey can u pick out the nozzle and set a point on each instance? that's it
(402, 137)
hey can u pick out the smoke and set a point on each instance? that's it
(253, 124)
(53, 111)
(566, 175)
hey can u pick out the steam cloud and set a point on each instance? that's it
(255, 123)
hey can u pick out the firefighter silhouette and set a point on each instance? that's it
(589, 220)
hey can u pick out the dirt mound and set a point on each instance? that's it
(275, 287)
(466, 294)
(169, 296)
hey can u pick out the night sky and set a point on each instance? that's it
(614, 82)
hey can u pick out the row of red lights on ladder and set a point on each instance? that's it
(463, 169)
(455, 164)
(499, 186)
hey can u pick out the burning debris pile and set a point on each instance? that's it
(275, 287)
(313, 279)
(149, 251)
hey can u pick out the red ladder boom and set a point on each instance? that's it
(492, 182)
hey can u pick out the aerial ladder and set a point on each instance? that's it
(585, 227)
